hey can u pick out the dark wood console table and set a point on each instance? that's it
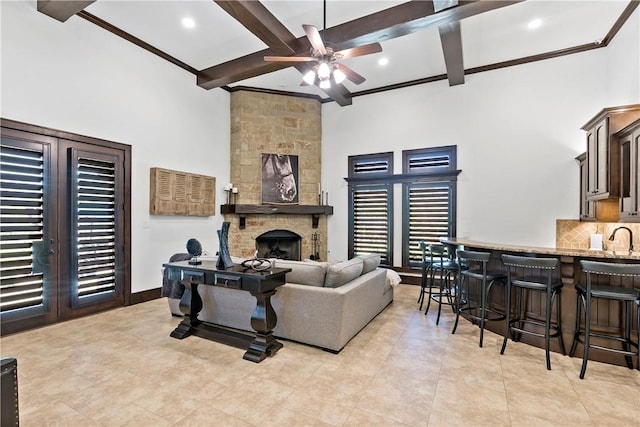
(261, 284)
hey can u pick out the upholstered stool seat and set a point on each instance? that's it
(524, 275)
(473, 270)
(595, 287)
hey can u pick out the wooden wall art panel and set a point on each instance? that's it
(181, 193)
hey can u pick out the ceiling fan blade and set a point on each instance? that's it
(351, 75)
(289, 58)
(360, 51)
(314, 38)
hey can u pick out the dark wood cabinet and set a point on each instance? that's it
(598, 161)
(603, 151)
(587, 207)
(629, 146)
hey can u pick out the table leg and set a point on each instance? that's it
(263, 320)
(190, 306)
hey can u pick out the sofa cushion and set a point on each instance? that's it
(310, 273)
(371, 262)
(342, 272)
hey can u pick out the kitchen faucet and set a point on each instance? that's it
(613, 235)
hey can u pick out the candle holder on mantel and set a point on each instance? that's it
(229, 190)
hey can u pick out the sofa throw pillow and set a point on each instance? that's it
(310, 273)
(371, 262)
(342, 272)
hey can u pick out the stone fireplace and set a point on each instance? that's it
(281, 124)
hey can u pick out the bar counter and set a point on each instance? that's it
(606, 316)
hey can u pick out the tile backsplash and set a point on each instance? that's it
(574, 234)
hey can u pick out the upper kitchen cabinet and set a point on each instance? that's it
(587, 207)
(629, 143)
(603, 151)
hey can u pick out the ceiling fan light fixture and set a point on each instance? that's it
(338, 75)
(310, 77)
(324, 71)
(325, 84)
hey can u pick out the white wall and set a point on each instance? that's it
(76, 77)
(517, 130)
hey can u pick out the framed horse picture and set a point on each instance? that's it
(279, 179)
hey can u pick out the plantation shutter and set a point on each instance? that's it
(94, 214)
(22, 204)
(370, 204)
(371, 221)
(429, 200)
(429, 215)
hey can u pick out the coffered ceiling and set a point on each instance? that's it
(421, 40)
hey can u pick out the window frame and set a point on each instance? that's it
(441, 161)
(370, 180)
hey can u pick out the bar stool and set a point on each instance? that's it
(626, 296)
(440, 264)
(537, 276)
(473, 268)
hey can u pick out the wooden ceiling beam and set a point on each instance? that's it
(451, 40)
(406, 18)
(62, 9)
(255, 17)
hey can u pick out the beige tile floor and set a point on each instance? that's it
(122, 368)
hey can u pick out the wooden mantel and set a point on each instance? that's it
(243, 210)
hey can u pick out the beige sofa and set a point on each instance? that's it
(321, 304)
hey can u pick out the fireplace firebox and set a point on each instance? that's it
(282, 244)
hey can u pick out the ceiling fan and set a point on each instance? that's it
(328, 68)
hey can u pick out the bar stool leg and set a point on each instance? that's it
(483, 302)
(547, 330)
(423, 286)
(507, 330)
(638, 331)
(519, 316)
(458, 303)
(587, 333)
(558, 296)
(576, 332)
(441, 289)
(431, 280)
(445, 284)
(627, 333)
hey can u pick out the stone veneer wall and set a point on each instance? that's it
(268, 123)
(574, 234)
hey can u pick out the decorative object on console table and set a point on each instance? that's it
(224, 258)
(194, 248)
(279, 179)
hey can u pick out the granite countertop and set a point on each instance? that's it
(585, 253)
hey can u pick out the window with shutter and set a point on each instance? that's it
(370, 207)
(429, 216)
(94, 225)
(429, 202)
(22, 229)
(370, 229)
(428, 180)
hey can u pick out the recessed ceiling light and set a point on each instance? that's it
(188, 23)
(534, 23)
(383, 61)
